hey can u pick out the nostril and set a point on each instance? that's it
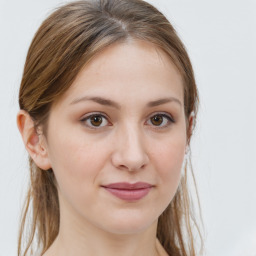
(132, 168)
(123, 167)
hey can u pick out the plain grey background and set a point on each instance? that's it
(220, 37)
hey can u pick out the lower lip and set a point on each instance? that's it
(129, 195)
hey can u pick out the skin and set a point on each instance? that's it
(128, 146)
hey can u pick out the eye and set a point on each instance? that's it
(95, 121)
(160, 120)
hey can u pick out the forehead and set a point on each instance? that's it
(128, 69)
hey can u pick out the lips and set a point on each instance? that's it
(127, 191)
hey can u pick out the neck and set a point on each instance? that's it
(83, 240)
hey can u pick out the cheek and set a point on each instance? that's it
(76, 162)
(168, 159)
(74, 152)
(77, 166)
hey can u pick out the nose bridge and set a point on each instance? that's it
(130, 152)
(133, 140)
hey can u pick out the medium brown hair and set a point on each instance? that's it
(64, 43)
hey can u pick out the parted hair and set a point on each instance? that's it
(68, 39)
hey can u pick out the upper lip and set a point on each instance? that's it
(128, 186)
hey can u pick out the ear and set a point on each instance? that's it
(190, 127)
(34, 142)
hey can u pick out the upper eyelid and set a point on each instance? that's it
(86, 116)
(163, 114)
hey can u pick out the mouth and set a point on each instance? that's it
(127, 191)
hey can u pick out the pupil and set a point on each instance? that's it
(96, 120)
(157, 120)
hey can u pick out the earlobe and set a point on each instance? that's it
(34, 142)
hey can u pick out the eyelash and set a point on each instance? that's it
(167, 117)
(168, 120)
(101, 115)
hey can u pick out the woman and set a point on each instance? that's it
(108, 102)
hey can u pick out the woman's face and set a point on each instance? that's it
(121, 121)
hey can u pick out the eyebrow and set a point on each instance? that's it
(163, 101)
(107, 102)
(100, 100)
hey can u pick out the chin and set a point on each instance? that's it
(130, 224)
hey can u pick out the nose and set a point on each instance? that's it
(129, 151)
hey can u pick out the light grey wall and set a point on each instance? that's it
(220, 37)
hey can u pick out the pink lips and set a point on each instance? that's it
(128, 191)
